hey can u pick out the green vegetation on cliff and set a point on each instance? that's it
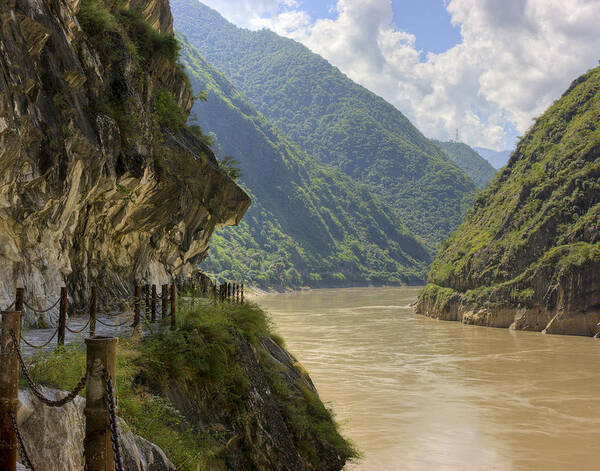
(335, 120)
(193, 392)
(473, 164)
(310, 224)
(534, 232)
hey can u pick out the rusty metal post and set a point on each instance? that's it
(165, 300)
(62, 316)
(93, 311)
(173, 306)
(147, 302)
(136, 303)
(20, 300)
(9, 389)
(101, 357)
(242, 297)
(153, 318)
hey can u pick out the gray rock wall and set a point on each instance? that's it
(54, 437)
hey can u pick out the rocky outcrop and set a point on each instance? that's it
(528, 256)
(53, 437)
(93, 188)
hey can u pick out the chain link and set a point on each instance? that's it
(39, 347)
(80, 330)
(20, 441)
(43, 310)
(109, 399)
(121, 324)
(34, 389)
(8, 308)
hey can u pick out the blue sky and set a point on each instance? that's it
(486, 67)
(428, 20)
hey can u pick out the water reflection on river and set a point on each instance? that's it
(418, 394)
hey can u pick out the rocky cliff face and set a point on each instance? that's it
(100, 180)
(528, 256)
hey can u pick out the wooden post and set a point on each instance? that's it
(20, 300)
(147, 303)
(136, 303)
(9, 389)
(62, 316)
(101, 357)
(173, 306)
(153, 319)
(93, 311)
(242, 296)
(165, 300)
(237, 292)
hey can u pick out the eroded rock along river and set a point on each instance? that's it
(418, 394)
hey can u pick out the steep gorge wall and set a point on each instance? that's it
(90, 195)
(528, 255)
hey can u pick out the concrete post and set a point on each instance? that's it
(153, 318)
(147, 303)
(93, 311)
(20, 300)
(136, 304)
(173, 306)
(9, 389)
(62, 316)
(165, 300)
(101, 357)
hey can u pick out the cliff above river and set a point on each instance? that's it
(101, 180)
(528, 255)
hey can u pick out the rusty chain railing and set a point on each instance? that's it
(20, 443)
(109, 398)
(34, 388)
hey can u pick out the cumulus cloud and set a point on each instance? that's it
(515, 58)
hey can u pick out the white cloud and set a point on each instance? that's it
(516, 57)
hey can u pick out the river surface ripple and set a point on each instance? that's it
(418, 394)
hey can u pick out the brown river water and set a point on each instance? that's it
(414, 393)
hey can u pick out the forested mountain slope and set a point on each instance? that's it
(528, 254)
(335, 120)
(309, 223)
(474, 165)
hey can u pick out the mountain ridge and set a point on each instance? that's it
(528, 255)
(310, 224)
(465, 157)
(335, 120)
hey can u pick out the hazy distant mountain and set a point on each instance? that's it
(498, 158)
(335, 120)
(479, 169)
(309, 223)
